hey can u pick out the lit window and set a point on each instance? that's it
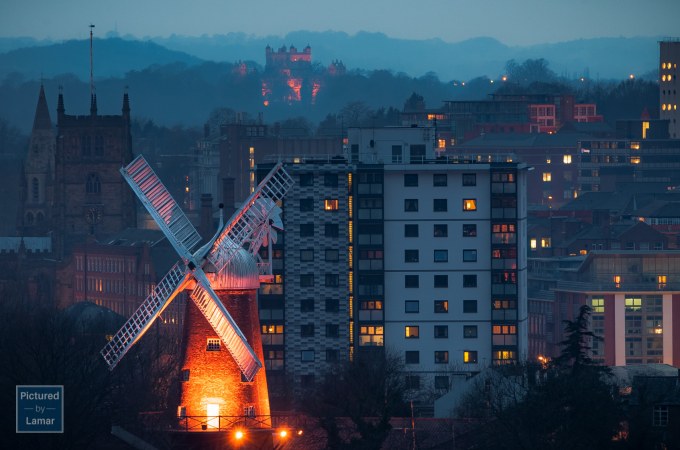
(441, 143)
(470, 204)
(371, 336)
(548, 161)
(330, 204)
(470, 357)
(545, 242)
(566, 159)
(547, 176)
(633, 304)
(532, 244)
(635, 160)
(213, 345)
(412, 332)
(441, 306)
(661, 279)
(597, 305)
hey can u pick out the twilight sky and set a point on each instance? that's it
(513, 22)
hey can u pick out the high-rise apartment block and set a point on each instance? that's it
(669, 58)
(396, 249)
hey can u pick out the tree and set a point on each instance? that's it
(576, 348)
(364, 394)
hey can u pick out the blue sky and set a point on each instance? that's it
(513, 22)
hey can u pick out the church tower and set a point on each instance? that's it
(90, 195)
(38, 173)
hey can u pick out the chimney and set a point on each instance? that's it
(206, 225)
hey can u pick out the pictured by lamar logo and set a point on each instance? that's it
(40, 409)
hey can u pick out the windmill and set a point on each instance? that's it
(237, 243)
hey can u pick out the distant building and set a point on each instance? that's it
(288, 76)
(669, 58)
(90, 196)
(38, 176)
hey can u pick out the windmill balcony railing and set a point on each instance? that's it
(226, 423)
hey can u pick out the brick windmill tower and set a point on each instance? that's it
(223, 276)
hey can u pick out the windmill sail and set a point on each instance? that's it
(246, 224)
(142, 319)
(162, 207)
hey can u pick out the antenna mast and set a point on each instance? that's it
(91, 64)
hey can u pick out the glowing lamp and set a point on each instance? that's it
(283, 434)
(238, 435)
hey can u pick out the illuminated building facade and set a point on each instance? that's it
(288, 76)
(669, 59)
(635, 297)
(394, 249)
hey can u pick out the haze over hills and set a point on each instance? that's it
(597, 58)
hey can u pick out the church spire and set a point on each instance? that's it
(42, 119)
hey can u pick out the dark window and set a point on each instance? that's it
(85, 145)
(441, 256)
(411, 306)
(469, 229)
(469, 306)
(410, 179)
(469, 280)
(306, 204)
(307, 355)
(331, 355)
(99, 145)
(417, 154)
(441, 306)
(332, 305)
(441, 230)
(332, 280)
(397, 157)
(184, 375)
(306, 179)
(469, 255)
(411, 256)
(412, 357)
(411, 204)
(439, 179)
(470, 331)
(307, 305)
(411, 281)
(307, 381)
(441, 357)
(332, 330)
(439, 205)
(307, 330)
(306, 230)
(92, 184)
(307, 280)
(330, 179)
(332, 255)
(411, 230)
(35, 190)
(441, 281)
(307, 254)
(441, 331)
(441, 382)
(331, 230)
(469, 179)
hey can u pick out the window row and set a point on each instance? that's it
(440, 281)
(440, 382)
(330, 305)
(440, 331)
(331, 330)
(329, 179)
(330, 230)
(439, 204)
(309, 355)
(440, 306)
(439, 230)
(439, 179)
(330, 254)
(329, 204)
(330, 280)
(439, 255)
(440, 357)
